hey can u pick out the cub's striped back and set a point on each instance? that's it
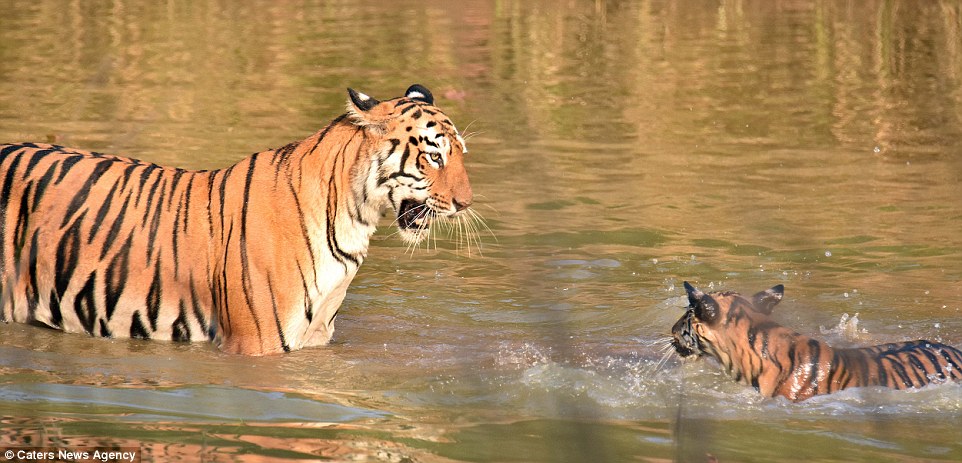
(776, 361)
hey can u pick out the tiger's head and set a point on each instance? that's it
(714, 324)
(419, 167)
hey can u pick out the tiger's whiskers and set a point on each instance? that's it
(464, 229)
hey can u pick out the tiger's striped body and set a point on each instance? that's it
(256, 257)
(777, 361)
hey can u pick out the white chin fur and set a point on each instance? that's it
(413, 236)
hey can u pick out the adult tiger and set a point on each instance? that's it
(754, 349)
(255, 257)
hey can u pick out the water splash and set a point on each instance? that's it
(847, 328)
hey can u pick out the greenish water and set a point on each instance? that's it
(617, 149)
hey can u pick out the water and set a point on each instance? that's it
(618, 149)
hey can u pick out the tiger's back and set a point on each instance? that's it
(82, 231)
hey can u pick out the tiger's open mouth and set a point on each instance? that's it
(413, 215)
(683, 351)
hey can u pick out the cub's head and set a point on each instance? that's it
(420, 165)
(718, 324)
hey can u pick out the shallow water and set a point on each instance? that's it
(617, 149)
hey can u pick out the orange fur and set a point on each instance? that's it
(776, 361)
(256, 257)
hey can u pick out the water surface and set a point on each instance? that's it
(617, 149)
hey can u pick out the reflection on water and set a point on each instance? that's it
(617, 149)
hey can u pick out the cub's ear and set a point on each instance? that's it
(766, 301)
(694, 295)
(359, 101)
(418, 92)
(706, 308)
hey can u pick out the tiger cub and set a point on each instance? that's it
(776, 361)
(255, 257)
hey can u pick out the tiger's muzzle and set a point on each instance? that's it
(683, 337)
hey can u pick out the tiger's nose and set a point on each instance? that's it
(460, 205)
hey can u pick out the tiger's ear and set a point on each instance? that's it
(418, 92)
(766, 301)
(360, 101)
(359, 110)
(706, 308)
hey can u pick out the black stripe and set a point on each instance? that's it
(115, 227)
(381, 179)
(332, 244)
(952, 356)
(154, 225)
(208, 327)
(221, 284)
(178, 173)
(35, 158)
(102, 212)
(66, 165)
(80, 197)
(144, 176)
(153, 297)
(210, 210)
(933, 360)
(33, 291)
(174, 233)
(5, 192)
(56, 317)
(187, 190)
(128, 172)
(104, 330)
(43, 183)
(222, 190)
(68, 254)
(898, 370)
(7, 149)
(883, 379)
(116, 277)
(792, 365)
(20, 230)
(180, 330)
(324, 133)
(137, 329)
(833, 370)
(277, 318)
(918, 368)
(162, 182)
(304, 233)
(246, 283)
(308, 314)
(84, 306)
(814, 349)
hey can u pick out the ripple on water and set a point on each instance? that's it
(193, 404)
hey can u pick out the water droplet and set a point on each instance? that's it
(877, 150)
(828, 253)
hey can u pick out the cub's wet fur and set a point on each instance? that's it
(739, 332)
